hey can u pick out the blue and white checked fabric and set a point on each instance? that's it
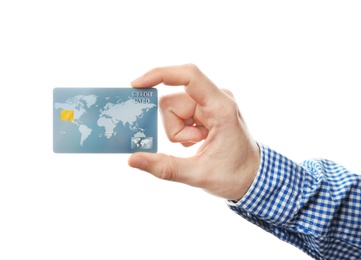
(315, 206)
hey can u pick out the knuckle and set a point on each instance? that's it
(227, 106)
(167, 170)
(193, 68)
(228, 92)
(232, 106)
(229, 112)
(165, 102)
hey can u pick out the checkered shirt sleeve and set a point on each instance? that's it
(315, 206)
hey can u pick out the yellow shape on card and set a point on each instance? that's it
(67, 115)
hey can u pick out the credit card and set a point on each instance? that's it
(105, 120)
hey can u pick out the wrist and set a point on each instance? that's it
(247, 173)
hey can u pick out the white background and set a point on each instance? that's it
(294, 67)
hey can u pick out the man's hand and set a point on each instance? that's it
(227, 161)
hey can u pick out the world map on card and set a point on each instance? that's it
(104, 120)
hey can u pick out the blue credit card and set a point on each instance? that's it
(105, 120)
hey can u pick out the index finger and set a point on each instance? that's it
(197, 85)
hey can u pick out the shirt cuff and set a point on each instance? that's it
(274, 194)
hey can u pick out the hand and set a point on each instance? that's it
(227, 162)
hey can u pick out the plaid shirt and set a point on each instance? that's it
(315, 206)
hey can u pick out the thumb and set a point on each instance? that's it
(166, 167)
